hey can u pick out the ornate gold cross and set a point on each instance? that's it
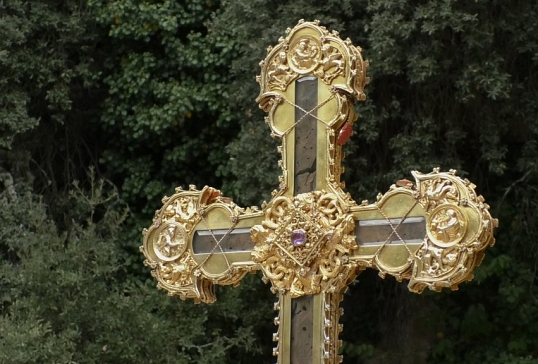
(311, 239)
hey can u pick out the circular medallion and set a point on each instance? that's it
(304, 54)
(170, 241)
(447, 225)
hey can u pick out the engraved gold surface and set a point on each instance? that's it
(304, 54)
(459, 228)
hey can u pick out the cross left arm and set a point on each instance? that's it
(198, 239)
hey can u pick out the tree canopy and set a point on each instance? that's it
(106, 106)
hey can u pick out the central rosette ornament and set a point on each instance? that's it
(304, 243)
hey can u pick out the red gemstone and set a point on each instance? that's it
(345, 133)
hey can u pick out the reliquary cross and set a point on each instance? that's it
(312, 239)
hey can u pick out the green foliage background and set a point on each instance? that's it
(105, 106)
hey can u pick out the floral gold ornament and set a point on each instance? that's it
(312, 239)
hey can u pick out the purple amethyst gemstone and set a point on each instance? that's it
(298, 237)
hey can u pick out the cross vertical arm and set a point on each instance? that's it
(307, 83)
(310, 52)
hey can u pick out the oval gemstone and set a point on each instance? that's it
(344, 134)
(298, 237)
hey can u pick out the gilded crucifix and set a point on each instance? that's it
(312, 239)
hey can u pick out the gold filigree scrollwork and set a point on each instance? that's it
(309, 50)
(168, 247)
(441, 253)
(459, 227)
(303, 245)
